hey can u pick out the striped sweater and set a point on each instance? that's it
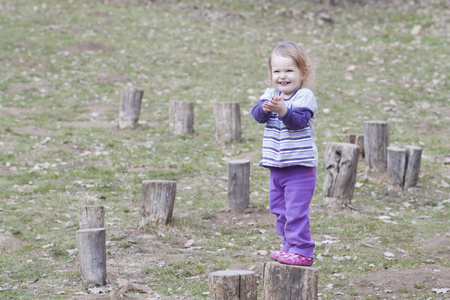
(290, 140)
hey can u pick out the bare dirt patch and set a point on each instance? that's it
(41, 86)
(86, 47)
(395, 283)
(34, 131)
(111, 78)
(251, 216)
(10, 244)
(100, 124)
(18, 112)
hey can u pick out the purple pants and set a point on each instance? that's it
(291, 191)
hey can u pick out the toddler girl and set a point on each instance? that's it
(289, 151)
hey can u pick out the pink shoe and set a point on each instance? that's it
(277, 255)
(296, 259)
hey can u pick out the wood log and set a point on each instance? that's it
(91, 244)
(289, 282)
(396, 166)
(92, 216)
(341, 164)
(227, 116)
(238, 185)
(376, 141)
(130, 107)
(157, 201)
(181, 117)
(349, 138)
(413, 159)
(232, 285)
(357, 139)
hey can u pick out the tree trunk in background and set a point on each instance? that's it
(227, 117)
(130, 107)
(232, 285)
(91, 216)
(413, 159)
(376, 141)
(181, 117)
(238, 185)
(91, 244)
(341, 164)
(289, 282)
(157, 201)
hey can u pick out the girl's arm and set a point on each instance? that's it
(297, 118)
(258, 112)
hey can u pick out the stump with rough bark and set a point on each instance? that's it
(232, 285)
(413, 159)
(130, 107)
(289, 282)
(341, 164)
(227, 116)
(91, 216)
(157, 202)
(181, 117)
(376, 141)
(357, 139)
(238, 185)
(91, 245)
(396, 167)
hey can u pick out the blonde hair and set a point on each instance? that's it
(300, 58)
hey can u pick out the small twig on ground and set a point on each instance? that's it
(265, 190)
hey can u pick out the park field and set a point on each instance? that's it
(63, 66)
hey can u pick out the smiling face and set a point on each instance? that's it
(285, 75)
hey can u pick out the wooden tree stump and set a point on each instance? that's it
(232, 285)
(357, 139)
(238, 185)
(413, 159)
(227, 117)
(91, 216)
(157, 201)
(130, 107)
(289, 282)
(376, 141)
(91, 244)
(341, 164)
(181, 117)
(396, 166)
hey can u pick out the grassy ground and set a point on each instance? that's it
(63, 65)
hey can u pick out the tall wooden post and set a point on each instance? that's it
(376, 141)
(396, 166)
(181, 117)
(227, 116)
(413, 159)
(130, 107)
(341, 164)
(357, 139)
(91, 245)
(238, 185)
(289, 282)
(232, 285)
(92, 216)
(157, 201)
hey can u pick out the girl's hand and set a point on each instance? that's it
(276, 104)
(265, 107)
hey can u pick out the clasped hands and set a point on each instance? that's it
(276, 104)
